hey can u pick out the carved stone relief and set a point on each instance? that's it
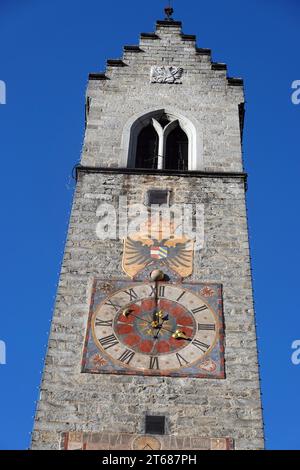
(166, 74)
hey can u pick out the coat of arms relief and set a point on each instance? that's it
(166, 74)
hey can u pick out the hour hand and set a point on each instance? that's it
(160, 319)
(161, 315)
(127, 312)
(180, 335)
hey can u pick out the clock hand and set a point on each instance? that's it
(155, 323)
(155, 339)
(154, 344)
(178, 334)
(160, 313)
(160, 316)
(160, 327)
(156, 302)
(156, 276)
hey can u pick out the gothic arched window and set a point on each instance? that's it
(161, 141)
(147, 148)
(177, 150)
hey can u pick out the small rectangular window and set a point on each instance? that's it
(155, 425)
(157, 196)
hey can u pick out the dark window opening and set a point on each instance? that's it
(164, 121)
(147, 148)
(176, 157)
(155, 425)
(157, 196)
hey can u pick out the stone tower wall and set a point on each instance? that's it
(72, 401)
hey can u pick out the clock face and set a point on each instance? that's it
(144, 337)
(155, 329)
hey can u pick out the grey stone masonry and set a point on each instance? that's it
(205, 97)
(210, 408)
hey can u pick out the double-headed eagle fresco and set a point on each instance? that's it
(141, 249)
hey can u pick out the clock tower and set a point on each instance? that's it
(153, 342)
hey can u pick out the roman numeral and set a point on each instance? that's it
(199, 309)
(111, 304)
(202, 346)
(181, 360)
(132, 294)
(161, 291)
(109, 341)
(154, 363)
(153, 291)
(206, 327)
(127, 356)
(180, 297)
(100, 322)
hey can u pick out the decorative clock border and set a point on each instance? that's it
(212, 365)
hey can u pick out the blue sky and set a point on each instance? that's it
(47, 50)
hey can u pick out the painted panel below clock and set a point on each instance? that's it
(126, 441)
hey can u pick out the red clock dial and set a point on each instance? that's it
(139, 332)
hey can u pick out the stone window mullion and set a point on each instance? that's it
(161, 146)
